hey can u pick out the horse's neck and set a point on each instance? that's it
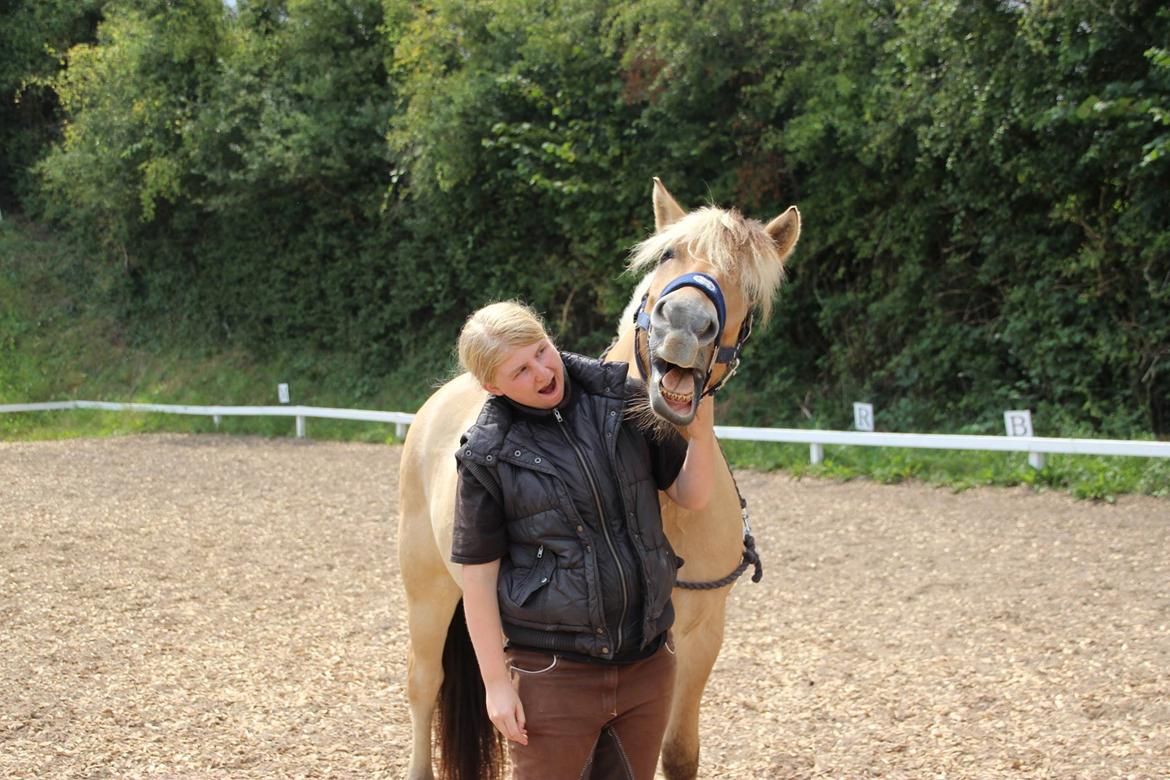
(622, 350)
(711, 539)
(708, 538)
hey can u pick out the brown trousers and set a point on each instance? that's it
(591, 721)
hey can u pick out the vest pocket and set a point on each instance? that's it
(523, 587)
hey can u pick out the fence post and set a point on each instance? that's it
(400, 430)
(300, 427)
(1036, 460)
(215, 418)
(816, 453)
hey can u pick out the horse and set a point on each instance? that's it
(708, 274)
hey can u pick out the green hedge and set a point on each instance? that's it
(987, 224)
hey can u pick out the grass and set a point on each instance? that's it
(1084, 476)
(59, 340)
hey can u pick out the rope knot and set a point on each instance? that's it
(751, 556)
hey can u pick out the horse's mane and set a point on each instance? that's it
(732, 243)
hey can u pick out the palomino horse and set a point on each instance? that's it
(693, 336)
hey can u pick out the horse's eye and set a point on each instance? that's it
(667, 254)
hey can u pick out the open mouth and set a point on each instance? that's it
(550, 388)
(676, 386)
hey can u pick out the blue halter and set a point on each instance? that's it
(707, 285)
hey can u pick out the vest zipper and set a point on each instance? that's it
(601, 518)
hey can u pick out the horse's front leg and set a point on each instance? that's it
(698, 635)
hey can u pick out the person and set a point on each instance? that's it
(558, 531)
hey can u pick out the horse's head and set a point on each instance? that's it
(713, 270)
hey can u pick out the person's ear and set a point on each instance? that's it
(492, 389)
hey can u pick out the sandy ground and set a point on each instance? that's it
(215, 607)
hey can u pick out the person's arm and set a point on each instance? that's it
(482, 609)
(692, 488)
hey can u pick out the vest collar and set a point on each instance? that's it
(581, 374)
(532, 411)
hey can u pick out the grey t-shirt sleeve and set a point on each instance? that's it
(480, 533)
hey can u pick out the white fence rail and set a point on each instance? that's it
(400, 419)
(1036, 446)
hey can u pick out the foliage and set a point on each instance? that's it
(987, 224)
(514, 134)
(246, 203)
(59, 341)
(34, 34)
(128, 98)
(981, 247)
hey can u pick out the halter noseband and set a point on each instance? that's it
(723, 355)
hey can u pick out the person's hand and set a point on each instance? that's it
(703, 425)
(505, 711)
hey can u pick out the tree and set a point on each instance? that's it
(34, 34)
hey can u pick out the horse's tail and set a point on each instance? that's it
(470, 748)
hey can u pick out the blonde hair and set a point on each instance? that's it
(492, 332)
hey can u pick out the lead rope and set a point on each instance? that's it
(750, 556)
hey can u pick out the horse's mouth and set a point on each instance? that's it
(675, 391)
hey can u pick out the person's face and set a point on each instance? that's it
(533, 376)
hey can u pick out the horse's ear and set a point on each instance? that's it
(784, 230)
(666, 208)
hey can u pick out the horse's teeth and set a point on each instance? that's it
(675, 396)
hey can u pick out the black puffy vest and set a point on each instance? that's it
(550, 590)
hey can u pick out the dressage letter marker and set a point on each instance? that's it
(1018, 422)
(863, 417)
(282, 395)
